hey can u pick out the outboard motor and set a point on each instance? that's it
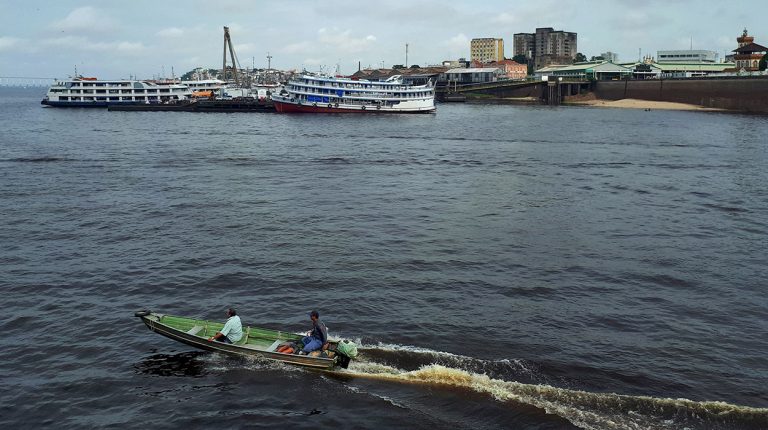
(346, 351)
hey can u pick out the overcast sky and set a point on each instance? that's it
(115, 39)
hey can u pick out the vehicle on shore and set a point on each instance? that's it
(308, 93)
(256, 342)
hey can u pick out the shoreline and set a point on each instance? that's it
(591, 102)
(642, 104)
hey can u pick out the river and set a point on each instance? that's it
(517, 267)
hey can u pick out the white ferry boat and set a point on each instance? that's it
(91, 92)
(335, 95)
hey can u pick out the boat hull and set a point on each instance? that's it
(154, 322)
(77, 104)
(199, 106)
(288, 107)
(144, 107)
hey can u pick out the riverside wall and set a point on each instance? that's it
(738, 94)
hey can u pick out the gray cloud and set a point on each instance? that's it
(115, 39)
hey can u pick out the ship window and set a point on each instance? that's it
(64, 98)
(114, 98)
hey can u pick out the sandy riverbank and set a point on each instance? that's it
(641, 104)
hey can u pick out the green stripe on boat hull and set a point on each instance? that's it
(255, 342)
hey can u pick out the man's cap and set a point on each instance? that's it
(314, 314)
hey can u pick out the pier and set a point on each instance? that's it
(548, 92)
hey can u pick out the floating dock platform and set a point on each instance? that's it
(234, 105)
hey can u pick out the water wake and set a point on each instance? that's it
(585, 409)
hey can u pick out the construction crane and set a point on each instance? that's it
(228, 42)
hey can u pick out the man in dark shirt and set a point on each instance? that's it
(317, 337)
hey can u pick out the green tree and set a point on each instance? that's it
(763, 63)
(580, 58)
(214, 73)
(521, 59)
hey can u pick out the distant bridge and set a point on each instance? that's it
(25, 81)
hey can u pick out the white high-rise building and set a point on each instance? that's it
(686, 56)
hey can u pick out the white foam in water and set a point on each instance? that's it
(461, 359)
(219, 362)
(584, 409)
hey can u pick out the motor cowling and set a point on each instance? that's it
(346, 351)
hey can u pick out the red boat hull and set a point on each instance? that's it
(284, 107)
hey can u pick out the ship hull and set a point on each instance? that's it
(287, 107)
(77, 104)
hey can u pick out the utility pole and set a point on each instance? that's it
(406, 55)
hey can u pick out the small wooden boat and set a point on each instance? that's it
(256, 342)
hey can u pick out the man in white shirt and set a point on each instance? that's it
(232, 331)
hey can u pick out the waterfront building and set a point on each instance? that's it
(486, 49)
(654, 70)
(686, 56)
(546, 46)
(472, 75)
(591, 70)
(511, 69)
(410, 76)
(691, 70)
(455, 64)
(606, 70)
(749, 53)
(523, 44)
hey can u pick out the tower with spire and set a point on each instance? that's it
(748, 54)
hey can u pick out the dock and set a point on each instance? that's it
(233, 105)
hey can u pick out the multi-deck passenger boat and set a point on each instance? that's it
(91, 92)
(309, 93)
